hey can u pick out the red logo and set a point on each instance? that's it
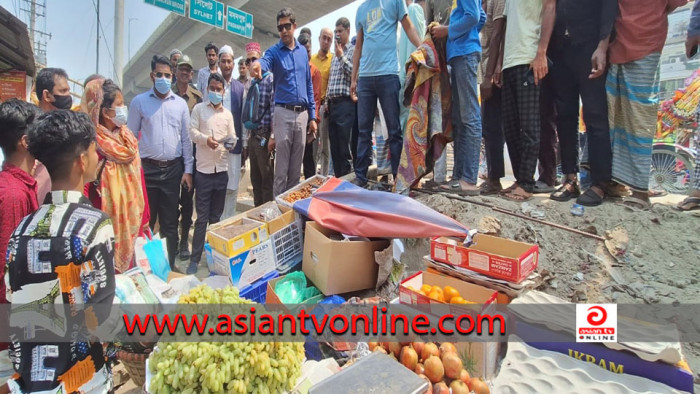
(596, 316)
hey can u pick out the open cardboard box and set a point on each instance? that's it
(232, 246)
(338, 267)
(277, 223)
(493, 256)
(480, 358)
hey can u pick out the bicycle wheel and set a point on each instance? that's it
(670, 171)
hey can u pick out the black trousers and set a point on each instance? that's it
(187, 206)
(211, 197)
(163, 189)
(492, 128)
(262, 171)
(521, 124)
(549, 144)
(570, 71)
(341, 129)
(309, 159)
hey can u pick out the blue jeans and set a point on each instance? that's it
(466, 117)
(369, 89)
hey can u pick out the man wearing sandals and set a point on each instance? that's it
(692, 202)
(529, 26)
(578, 52)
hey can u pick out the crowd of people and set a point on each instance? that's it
(78, 187)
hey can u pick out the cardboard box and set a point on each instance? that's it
(275, 224)
(230, 246)
(493, 256)
(479, 358)
(337, 267)
(615, 361)
(245, 268)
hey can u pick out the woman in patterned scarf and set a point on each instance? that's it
(119, 190)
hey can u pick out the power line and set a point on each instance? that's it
(114, 73)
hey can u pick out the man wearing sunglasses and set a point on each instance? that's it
(161, 119)
(295, 112)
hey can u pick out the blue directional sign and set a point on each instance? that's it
(176, 6)
(239, 22)
(210, 12)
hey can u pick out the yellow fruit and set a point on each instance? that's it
(450, 292)
(436, 295)
(457, 300)
(426, 288)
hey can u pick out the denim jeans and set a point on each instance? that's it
(466, 116)
(384, 88)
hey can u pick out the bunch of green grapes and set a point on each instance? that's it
(232, 367)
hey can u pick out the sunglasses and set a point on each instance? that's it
(166, 75)
(250, 60)
(286, 26)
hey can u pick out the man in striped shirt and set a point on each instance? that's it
(342, 107)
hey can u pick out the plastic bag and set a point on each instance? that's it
(292, 288)
(157, 255)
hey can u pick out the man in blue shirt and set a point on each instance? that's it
(375, 75)
(463, 55)
(294, 99)
(162, 120)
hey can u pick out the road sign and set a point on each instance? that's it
(210, 12)
(239, 22)
(176, 6)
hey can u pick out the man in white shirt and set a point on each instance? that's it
(212, 129)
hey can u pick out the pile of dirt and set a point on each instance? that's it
(647, 257)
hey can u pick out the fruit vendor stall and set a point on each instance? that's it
(328, 244)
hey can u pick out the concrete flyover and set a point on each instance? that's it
(191, 36)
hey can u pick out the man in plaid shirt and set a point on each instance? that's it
(342, 107)
(261, 169)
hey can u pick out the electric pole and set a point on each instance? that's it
(97, 52)
(34, 10)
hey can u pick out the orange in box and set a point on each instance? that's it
(492, 256)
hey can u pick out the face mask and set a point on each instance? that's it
(162, 85)
(215, 98)
(62, 102)
(122, 113)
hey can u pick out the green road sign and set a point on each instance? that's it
(210, 12)
(239, 22)
(176, 6)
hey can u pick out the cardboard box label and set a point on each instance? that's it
(478, 261)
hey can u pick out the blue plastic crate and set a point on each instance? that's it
(257, 291)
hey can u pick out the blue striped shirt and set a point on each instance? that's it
(162, 126)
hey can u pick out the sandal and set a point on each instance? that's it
(657, 193)
(693, 201)
(487, 189)
(509, 189)
(542, 187)
(614, 189)
(517, 197)
(590, 198)
(449, 186)
(566, 192)
(636, 203)
(432, 185)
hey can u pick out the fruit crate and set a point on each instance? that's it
(288, 244)
(315, 182)
(257, 291)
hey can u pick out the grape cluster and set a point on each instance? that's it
(232, 367)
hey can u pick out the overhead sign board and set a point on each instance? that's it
(210, 12)
(176, 6)
(239, 22)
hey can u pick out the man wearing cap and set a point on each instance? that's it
(192, 97)
(255, 142)
(175, 55)
(233, 101)
(242, 72)
(295, 112)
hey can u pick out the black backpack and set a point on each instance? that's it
(251, 106)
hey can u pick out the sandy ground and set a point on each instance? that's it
(659, 263)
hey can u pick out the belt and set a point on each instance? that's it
(335, 100)
(295, 108)
(161, 163)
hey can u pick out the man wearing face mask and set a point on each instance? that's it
(192, 97)
(212, 130)
(162, 119)
(53, 93)
(232, 101)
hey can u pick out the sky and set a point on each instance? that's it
(73, 28)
